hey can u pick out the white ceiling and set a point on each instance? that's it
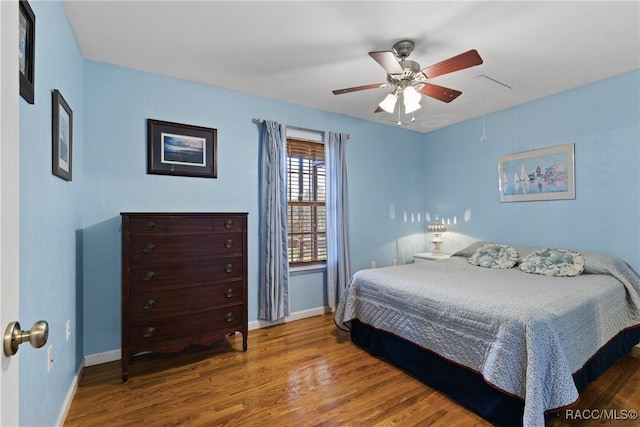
(299, 51)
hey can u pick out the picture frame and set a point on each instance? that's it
(62, 137)
(181, 149)
(26, 49)
(542, 174)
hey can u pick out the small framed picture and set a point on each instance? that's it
(26, 50)
(179, 149)
(62, 137)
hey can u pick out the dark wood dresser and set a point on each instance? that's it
(184, 281)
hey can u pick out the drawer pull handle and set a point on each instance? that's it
(228, 293)
(147, 249)
(148, 275)
(148, 332)
(228, 243)
(228, 268)
(148, 225)
(148, 304)
(228, 223)
(228, 317)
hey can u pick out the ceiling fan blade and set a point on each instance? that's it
(456, 63)
(388, 61)
(443, 94)
(357, 88)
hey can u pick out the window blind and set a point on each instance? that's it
(306, 213)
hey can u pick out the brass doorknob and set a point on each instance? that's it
(14, 336)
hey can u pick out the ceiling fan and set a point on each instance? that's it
(409, 81)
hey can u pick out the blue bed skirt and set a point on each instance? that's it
(468, 387)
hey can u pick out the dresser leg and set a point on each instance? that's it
(244, 342)
(125, 369)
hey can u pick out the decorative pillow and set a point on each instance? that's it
(553, 262)
(493, 255)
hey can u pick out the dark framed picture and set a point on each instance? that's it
(26, 49)
(179, 149)
(62, 137)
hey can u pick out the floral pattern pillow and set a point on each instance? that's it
(493, 255)
(553, 262)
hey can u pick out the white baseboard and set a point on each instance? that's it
(69, 398)
(111, 356)
(258, 324)
(100, 358)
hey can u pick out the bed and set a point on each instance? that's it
(513, 344)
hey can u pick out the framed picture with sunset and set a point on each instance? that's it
(180, 149)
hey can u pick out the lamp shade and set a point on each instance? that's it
(411, 95)
(436, 226)
(389, 103)
(410, 108)
(411, 99)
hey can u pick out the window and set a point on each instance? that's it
(306, 210)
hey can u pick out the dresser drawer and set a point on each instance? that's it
(167, 302)
(145, 334)
(184, 225)
(143, 277)
(169, 247)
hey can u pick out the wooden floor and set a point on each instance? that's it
(302, 373)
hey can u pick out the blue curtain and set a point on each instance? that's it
(338, 271)
(273, 292)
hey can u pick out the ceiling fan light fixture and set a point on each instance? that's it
(388, 104)
(411, 95)
(404, 75)
(410, 108)
(411, 99)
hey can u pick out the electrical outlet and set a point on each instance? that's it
(373, 264)
(50, 358)
(68, 330)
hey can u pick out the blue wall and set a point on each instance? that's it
(384, 166)
(602, 120)
(70, 231)
(50, 217)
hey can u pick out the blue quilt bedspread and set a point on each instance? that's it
(526, 334)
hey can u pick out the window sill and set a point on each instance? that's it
(307, 269)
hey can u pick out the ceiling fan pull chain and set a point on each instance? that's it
(484, 130)
(399, 122)
(483, 137)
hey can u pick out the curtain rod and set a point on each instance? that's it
(261, 120)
